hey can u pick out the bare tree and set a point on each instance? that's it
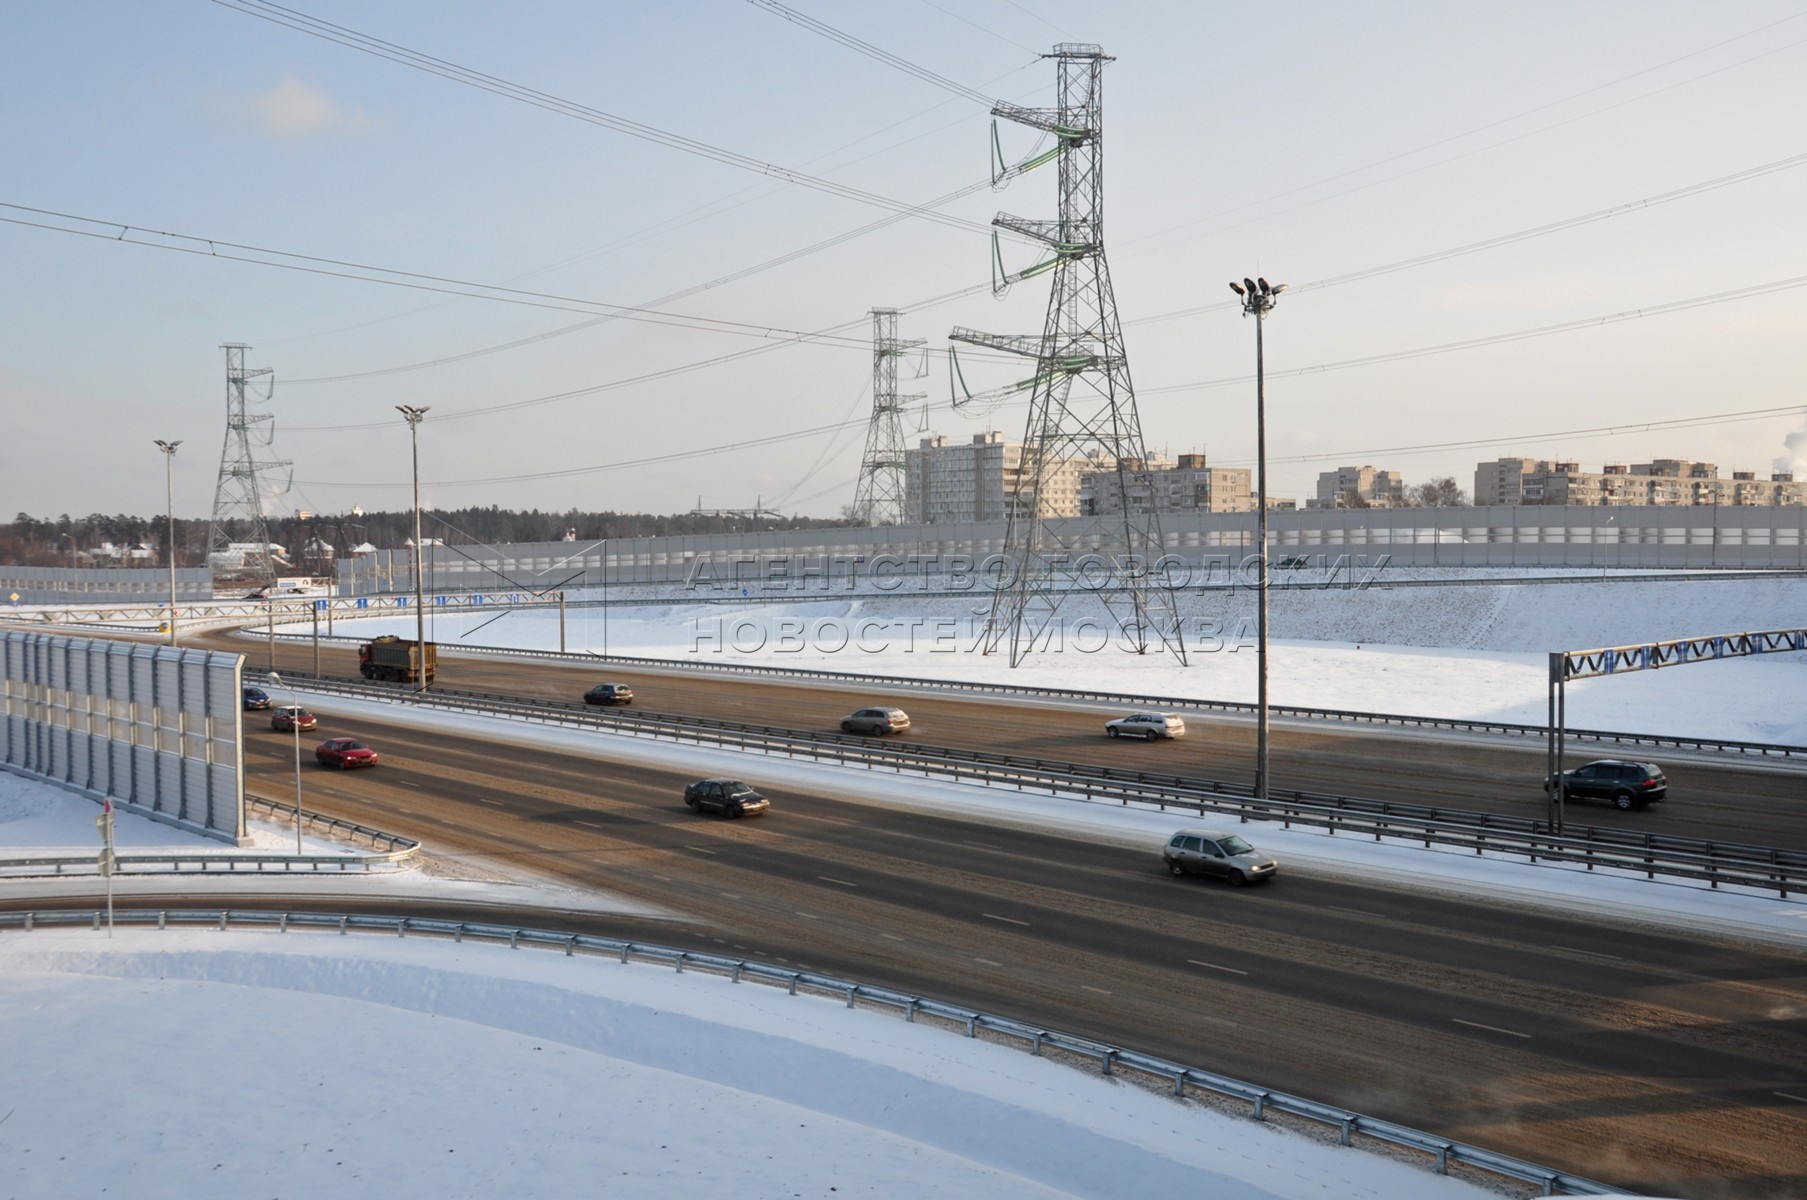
(1443, 492)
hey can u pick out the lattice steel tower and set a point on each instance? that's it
(880, 497)
(238, 509)
(1082, 407)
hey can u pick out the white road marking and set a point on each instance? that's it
(492, 803)
(1792, 1096)
(810, 916)
(1492, 1028)
(587, 824)
(842, 882)
(1088, 987)
(1006, 920)
(1589, 953)
(407, 783)
(894, 937)
(1354, 912)
(1215, 967)
(700, 849)
(987, 961)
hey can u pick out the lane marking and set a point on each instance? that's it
(842, 882)
(1354, 912)
(810, 916)
(987, 961)
(705, 850)
(1589, 953)
(894, 937)
(493, 803)
(1792, 1096)
(1089, 988)
(1006, 920)
(1215, 967)
(407, 783)
(1491, 1028)
(587, 824)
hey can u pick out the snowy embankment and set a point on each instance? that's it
(1468, 651)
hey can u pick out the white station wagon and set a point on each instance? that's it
(1147, 726)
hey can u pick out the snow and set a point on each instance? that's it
(414, 1068)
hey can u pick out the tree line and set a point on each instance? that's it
(78, 541)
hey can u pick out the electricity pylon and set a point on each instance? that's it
(238, 509)
(879, 499)
(1082, 409)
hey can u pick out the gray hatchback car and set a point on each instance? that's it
(1222, 855)
(878, 721)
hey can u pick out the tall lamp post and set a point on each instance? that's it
(275, 681)
(1257, 301)
(169, 495)
(413, 416)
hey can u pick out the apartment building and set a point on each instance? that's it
(1676, 482)
(1358, 487)
(949, 482)
(1189, 485)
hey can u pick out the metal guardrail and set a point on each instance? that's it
(1125, 700)
(1715, 863)
(1037, 1039)
(391, 851)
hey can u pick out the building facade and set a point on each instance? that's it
(951, 482)
(1189, 485)
(1665, 482)
(1359, 487)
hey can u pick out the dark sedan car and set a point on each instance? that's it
(609, 693)
(256, 698)
(1626, 785)
(729, 797)
(344, 753)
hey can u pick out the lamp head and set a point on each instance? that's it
(1237, 288)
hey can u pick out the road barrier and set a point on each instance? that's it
(1038, 1040)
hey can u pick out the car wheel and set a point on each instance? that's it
(1622, 801)
(846, 728)
(1174, 868)
(691, 801)
(736, 812)
(1238, 879)
(1149, 736)
(1112, 731)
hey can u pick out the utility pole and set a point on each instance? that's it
(169, 495)
(413, 417)
(1082, 410)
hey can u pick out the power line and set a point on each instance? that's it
(1507, 239)
(416, 60)
(1761, 289)
(873, 52)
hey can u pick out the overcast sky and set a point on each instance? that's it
(1305, 142)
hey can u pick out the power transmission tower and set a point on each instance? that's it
(1082, 409)
(238, 542)
(879, 499)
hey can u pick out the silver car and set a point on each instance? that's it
(878, 721)
(1222, 855)
(1147, 726)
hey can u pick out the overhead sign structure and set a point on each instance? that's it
(1647, 656)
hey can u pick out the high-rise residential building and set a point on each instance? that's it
(1189, 485)
(947, 482)
(1676, 482)
(1359, 487)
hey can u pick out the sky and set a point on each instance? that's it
(162, 145)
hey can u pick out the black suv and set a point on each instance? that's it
(1627, 784)
(729, 797)
(609, 693)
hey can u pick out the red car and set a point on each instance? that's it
(291, 717)
(344, 753)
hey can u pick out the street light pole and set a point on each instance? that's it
(169, 495)
(275, 680)
(413, 416)
(1257, 301)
